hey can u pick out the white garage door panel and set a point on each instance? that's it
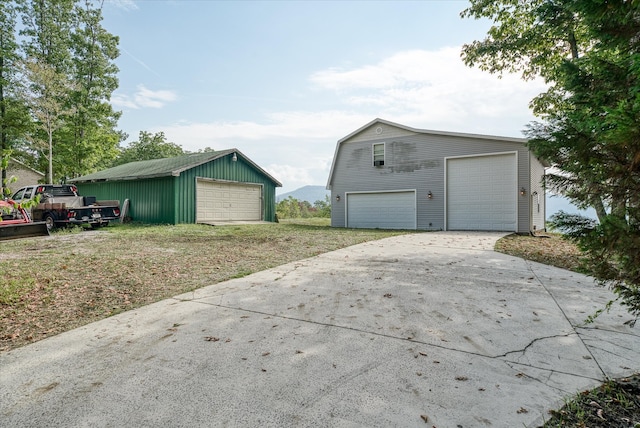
(385, 210)
(228, 201)
(482, 193)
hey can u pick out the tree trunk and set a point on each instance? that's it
(597, 204)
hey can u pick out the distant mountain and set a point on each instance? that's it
(306, 193)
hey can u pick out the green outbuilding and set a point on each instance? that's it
(210, 187)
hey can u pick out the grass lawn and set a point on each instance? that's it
(50, 285)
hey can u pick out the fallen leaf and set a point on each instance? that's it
(211, 339)
(462, 378)
(425, 418)
(522, 410)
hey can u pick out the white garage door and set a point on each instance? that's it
(218, 201)
(482, 193)
(384, 210)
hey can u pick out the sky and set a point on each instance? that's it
(283, 81)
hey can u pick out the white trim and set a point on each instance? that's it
(384, 153)
(415, 203)
(446, 179)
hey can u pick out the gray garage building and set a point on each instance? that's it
(205, 187)
(391, 176)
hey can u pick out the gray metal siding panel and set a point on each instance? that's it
(524, 178)
(538, 199)
(381, 130)
(413, 161)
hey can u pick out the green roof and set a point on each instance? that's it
(162, 167)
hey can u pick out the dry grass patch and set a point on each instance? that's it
(51, 285)
(550, 249)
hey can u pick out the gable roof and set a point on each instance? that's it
(24, 166)
(431, 132)
(166, 167)
(416, 131)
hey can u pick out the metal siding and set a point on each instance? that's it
(413, 161)
(172, 199)
(228, 170)
(538, 195)
(151, 200)
(381, 129)
(524, 179)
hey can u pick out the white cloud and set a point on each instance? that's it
(434, 89)
(123, 4)
(290, 176)
(144, 97)
(421, 89)
(293, 126)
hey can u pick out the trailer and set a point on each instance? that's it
(15, 222)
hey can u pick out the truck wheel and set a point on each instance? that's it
(51, 224)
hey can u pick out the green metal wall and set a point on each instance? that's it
(150, 200)
(172, 200)
(221, 169)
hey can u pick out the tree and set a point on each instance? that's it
(149, 146)
(288, 208)
(67, 35)
(323, 208)
(588, 51)
(46, 96)
(13, 116)
(90, 139)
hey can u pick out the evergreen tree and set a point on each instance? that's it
(588, 51)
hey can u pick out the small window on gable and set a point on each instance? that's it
(378, 154)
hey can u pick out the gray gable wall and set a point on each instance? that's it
(416, 160)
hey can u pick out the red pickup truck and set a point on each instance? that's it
(61, 205)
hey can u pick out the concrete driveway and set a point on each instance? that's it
(431, 327)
